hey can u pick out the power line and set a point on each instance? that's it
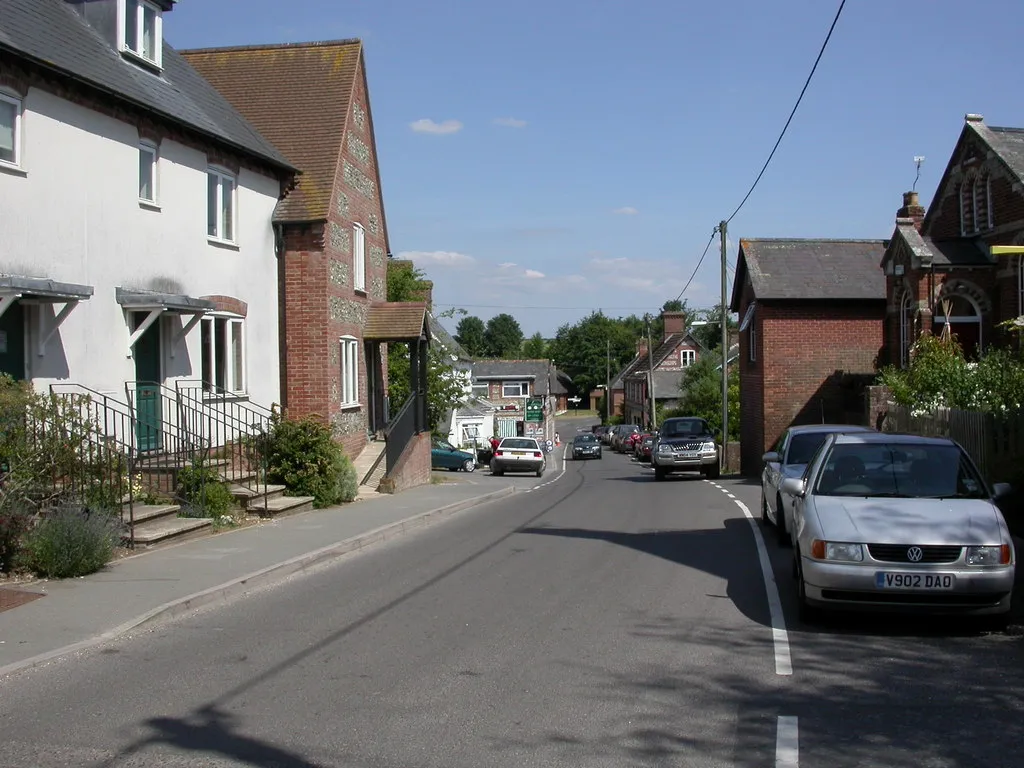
(790, 119)
(699, 262)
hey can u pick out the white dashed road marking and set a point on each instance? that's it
(783, 660)
(787, 743)
(557, 477)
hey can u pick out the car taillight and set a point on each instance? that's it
(537, 454)
(500, 453)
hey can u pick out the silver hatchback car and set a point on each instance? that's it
(902, 522)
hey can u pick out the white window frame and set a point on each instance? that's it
(18, 104)
(349, 360)
(523, 387)
(150, 148)
(139, 22)
(222, 176)
(359, 257)
(208, 355)
(687, 357)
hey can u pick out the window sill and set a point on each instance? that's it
(227, 397)
(351, 406)
(149, 65)
(11, 168)
(226, 244)
(360, 291)
(150, 205)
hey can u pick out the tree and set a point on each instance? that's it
(535, 347)
(701, 395)
(710, 334)
(470, 333)
(406, 282)
(445, 385)
(658, 323)
(503, 336)
(582, 349)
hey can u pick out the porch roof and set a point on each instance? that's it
(42, 288)
(396, 321)
(130, 298)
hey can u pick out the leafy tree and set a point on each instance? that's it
(503, 336)
(406, 282)
(471, 334)
(710, 334)
(535, 347)
(582, 349)
(444, 385)
(658, 323)
(701, 395)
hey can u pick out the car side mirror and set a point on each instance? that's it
(794, 486)
(1001, 490)
(771, 457)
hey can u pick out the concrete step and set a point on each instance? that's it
(252, 497)
(242, 476)
(142, 513)
(283, 506)
(171, 529)
(173, 463)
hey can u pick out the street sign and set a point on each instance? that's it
(575, 399)
(535, 410)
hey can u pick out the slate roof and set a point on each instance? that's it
(957, 252)
(639, 363)
(52, 35)
(299, 96)
(820, 270)
(395, 321)
(442, 338)
(533, 370)
(1007, 143)
(666, 384)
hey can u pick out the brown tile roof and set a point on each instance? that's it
(297, 95)
(395, 321)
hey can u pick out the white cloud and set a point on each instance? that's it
(506, 265)
(437, 258)
(627, 210)
(510, 122)
(600, 263)
(533, 274)
(426, 125)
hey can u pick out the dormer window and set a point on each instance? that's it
(142, 30)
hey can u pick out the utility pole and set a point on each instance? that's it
(650, 372)
(608, 382)
(722, 229)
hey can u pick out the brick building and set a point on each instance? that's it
(938, 264)
(671, 356)
(812, 314)
(312, 101)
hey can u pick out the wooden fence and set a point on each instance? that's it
(994, 441)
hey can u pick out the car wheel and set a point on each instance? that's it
(780, 524)
(468, 465)
(714, 472)
(659, 473)
(764, 511)
(1000, 622)
(540, 473)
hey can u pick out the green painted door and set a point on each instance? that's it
(147, 390)
(12, 341)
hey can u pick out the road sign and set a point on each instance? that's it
(575, 399)
(535, 410)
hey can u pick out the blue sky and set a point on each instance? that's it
(551, 158)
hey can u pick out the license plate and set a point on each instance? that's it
(921, 581)
(690, 455)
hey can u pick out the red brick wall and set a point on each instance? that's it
(804, 349)
(413, 467)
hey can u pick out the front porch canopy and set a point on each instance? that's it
(156, 304)
(403, 322)
(42, 290)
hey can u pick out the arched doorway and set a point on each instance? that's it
(963, 316)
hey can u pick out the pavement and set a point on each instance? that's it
(76, 614)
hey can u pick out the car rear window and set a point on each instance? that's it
(524, 443)
(684, 428)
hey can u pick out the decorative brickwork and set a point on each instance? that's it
(338, 272)
(339, 237)
(373, 224)
(358, 180)
(358, 149)
(377, 256)
(359, 116)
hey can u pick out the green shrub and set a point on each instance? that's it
(14, 523)
(203, 491)
(70, 542)
(302, 456)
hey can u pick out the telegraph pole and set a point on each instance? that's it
(608, 381)
(722, 228)
(650, 371)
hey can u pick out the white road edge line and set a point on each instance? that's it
(783, 660)
(787, 743)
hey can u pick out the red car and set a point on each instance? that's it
(642, 447)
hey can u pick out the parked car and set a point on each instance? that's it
(444, 455)
(621, 434)
(518, 454)
(585, 446)
(642, 447)
(899, 522)
(789, 458)
(685, 444)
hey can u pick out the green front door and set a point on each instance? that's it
(147, 389)
(12, 341)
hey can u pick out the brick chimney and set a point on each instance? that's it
(912, 210)
(675, 322)
(641, 347)
(427, 294)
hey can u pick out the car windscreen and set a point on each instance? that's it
(585, 439)
(802, 447)
(899, 470)
(684, 428)
(520, 443)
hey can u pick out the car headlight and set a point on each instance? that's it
(992, 555)
(664, 449)
(708, 446)
(838, 551)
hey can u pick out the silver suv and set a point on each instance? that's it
(685, 444)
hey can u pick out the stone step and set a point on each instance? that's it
(173, 463)
(252, 497)
(171, 529)
(237, 475)
(284, 505)
(142, 513)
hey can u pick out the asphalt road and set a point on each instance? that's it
(600, 619)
